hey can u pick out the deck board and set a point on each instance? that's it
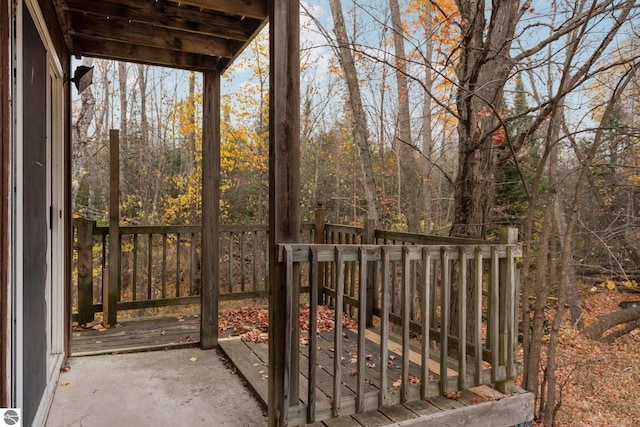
(137, 335)
(372, 418)
(398, 413)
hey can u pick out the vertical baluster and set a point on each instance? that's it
(433, 295)
(337, 334)
(462, 319)
(352, 279)
(178, 237)
(414, 280)
(313, 335)
(405, 312)
(242, 263)
(424, 318)
(104, 269)
(192, 262)
(384, 327)
(135, 267)
(288, 336)
(477, 322)
(492, 328)
(266, 260)
(164, 265)
(362, 327)
(394, 288)
(149, 265)
(510, 302)
(230, 262)
(445, 300)
(255, 261)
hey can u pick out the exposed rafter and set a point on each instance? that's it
(255, 9)
(194, 34)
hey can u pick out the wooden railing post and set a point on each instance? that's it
(113, 291)
(506, 308)
(369, 238)
(84, 247)
(319, 222)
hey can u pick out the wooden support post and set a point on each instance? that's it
(84, 247)
(369, 238)
(284, 196)
(113, 294)
(319, 222)
(507, 236)
(210, 210)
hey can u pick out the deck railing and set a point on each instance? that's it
(415, 287)
(160, 265)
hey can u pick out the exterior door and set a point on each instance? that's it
(39, 305)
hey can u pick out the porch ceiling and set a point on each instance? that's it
(189, 34)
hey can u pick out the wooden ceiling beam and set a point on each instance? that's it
(120, 51)
(168, 15)
(256, 9)
(140, 34)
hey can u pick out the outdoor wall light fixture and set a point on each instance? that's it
(82, 77)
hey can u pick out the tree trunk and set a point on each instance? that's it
(569, 279)
(122, 85)
(410, 171)
(482, 71)
(596, 330)
(191, 137)
(427, 142)
(358, 117)
(144, 123)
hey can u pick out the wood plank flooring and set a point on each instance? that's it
(137, 335)
(477, 406)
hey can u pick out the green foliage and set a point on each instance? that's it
(511, 189)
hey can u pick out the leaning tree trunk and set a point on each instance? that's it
(358, 117)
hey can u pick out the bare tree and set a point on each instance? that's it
(409, 166)
(358, 117)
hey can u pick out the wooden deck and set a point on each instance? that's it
(475, 406)
(151, 333)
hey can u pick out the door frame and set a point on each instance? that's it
(55, 294)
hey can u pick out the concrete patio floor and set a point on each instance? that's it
(182, 387)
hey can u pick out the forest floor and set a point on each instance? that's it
(600, 382)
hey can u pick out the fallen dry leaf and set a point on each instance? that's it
(193, 359)
(453, 395)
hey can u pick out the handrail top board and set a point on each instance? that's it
(300, 252)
